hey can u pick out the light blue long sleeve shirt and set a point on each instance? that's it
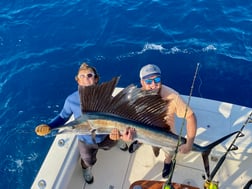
(72, 107)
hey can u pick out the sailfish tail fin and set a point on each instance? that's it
(212, 145)
(206, 150)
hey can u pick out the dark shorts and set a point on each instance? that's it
(88, 151)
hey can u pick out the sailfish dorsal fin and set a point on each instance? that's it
(132, 103)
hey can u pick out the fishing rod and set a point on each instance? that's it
(209, 182)
(168, 184)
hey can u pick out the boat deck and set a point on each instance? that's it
(120, 172)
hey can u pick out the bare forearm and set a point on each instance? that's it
(191, 127)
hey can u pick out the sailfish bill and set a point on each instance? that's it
(131, 107)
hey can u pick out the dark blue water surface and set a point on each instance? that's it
(42, 43)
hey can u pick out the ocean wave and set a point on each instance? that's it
(175, 49)
(209, 48)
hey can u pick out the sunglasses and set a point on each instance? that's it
(89, 75)
(149, 81)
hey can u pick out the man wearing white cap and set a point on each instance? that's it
(150, 78)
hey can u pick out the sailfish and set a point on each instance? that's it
(131, 107)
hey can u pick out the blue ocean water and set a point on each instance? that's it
(42, 43)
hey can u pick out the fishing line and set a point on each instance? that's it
(167, 184)
(200, 84)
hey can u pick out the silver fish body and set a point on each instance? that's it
(101, 123)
